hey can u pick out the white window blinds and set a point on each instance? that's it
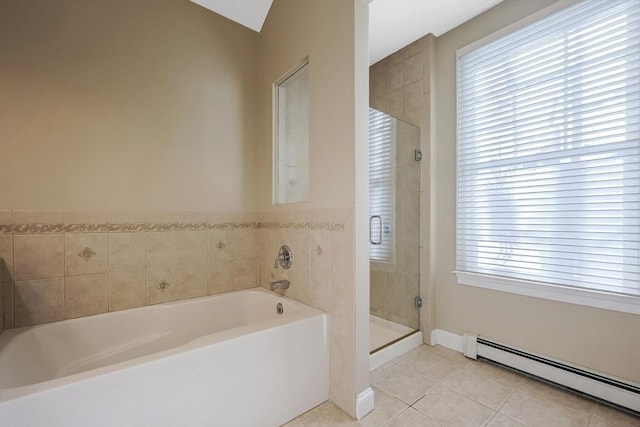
(381, 186)
(548, 161)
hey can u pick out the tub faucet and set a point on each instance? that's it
(279, 284)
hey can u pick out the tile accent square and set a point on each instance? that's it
(162, 285)
(320, 269)
(220, 245)
(38, 256)
(39, 301)
(87, 295)
(126, 289)
(85, 253)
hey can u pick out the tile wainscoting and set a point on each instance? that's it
(59, 265)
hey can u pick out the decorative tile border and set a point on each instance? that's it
(175, 226)
(312, 226)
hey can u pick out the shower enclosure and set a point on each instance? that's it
(394, 228)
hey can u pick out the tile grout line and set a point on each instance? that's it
(591, 414)
(510, 394)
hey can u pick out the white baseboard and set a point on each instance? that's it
(447, 339)
(364, 405)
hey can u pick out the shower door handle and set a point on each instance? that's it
(371, 220)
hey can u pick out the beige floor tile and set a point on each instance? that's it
(452, 409)
(458, 358)
(480, 386)
(386, 407)
(411, 418)
(430, 364)
(556, 395)
(604, 416)
(294, 423)
(325, 415)
(402, 382)
(535, 410)
(501, 420)
(496, 373)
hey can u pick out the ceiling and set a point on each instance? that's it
(393, 24)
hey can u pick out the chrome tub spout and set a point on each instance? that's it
(279, 284)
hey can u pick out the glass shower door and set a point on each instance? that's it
(394, 228)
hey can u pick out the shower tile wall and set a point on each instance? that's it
(400, 85)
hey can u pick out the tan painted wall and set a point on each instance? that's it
(136, 105)
(293, 30)
(333, 33)
(603, 340)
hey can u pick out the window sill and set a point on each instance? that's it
(591, 298)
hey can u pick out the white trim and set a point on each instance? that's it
(588, 297)
(394, 350)
(364, 404)
(447, 339)
(470, 345)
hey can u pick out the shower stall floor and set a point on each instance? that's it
(383, 332)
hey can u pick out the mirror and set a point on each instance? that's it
(291, 137)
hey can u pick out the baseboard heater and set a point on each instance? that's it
(613, 390)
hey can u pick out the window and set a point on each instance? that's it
(381, 186)
(548, 161)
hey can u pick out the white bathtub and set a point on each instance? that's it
(225, 360)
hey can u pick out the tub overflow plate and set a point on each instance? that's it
(279, 308)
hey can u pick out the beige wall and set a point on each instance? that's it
(293, 30)
(328, 273)
(603, 340)
(136, 105)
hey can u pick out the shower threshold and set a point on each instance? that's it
(389, 340)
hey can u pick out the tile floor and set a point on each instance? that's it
(435, 386)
